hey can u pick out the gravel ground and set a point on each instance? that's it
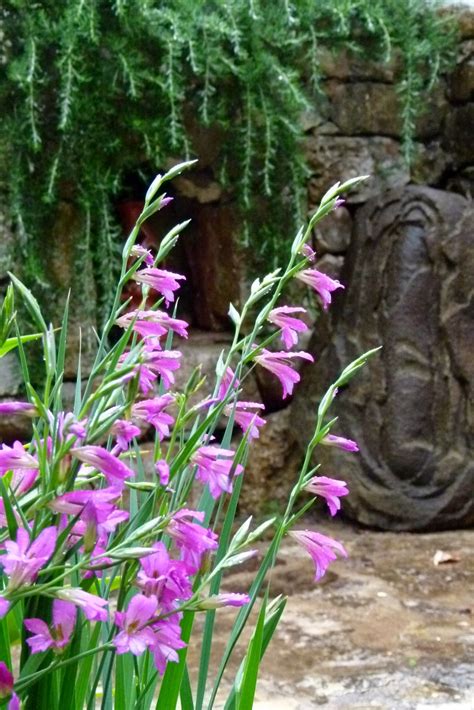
(386, 629)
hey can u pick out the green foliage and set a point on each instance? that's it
(95, 88)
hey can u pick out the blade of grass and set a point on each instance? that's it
(271, 623)
(173, 677)
(246, 691)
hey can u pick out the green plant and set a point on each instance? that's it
(150, 69)
(105, 567)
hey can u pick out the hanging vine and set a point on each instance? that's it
(93, 88)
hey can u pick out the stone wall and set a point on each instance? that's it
(404, 251)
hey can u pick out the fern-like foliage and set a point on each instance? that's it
(91, 89)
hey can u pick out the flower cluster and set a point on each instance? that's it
(81, 516)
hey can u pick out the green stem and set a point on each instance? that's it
(24, 683)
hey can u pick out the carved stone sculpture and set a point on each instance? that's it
(409, 277)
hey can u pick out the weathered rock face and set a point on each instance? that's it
(409, 276)
(272, 466)
(212, 261)
(69, 267)
(332, 158)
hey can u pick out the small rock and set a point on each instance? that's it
(331, 265)
(272, 466)
(334, 233)
(338, 158)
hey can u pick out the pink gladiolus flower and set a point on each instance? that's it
(324, 285)
(13, 458)
(4, 607)
(214, 467)
(308, 252)
(165, 282)
(191, 538)
(278, 364)
(91, 605)
(99, 458)
(6, 688)
(228, 379)
(139, 251)
(64, 620)
(151, 411)
(225, 599)
(97, 521)
(167, 633)
(290, 326)
(153, 323)
(124, 431)
(23, 480)
(245, 419)
(340, 442)
(162, 363)
(322, 549)
(73, 503)
(25, 558)
(135, 636)
(163, 471)
(6, 681)
(330, 489)
(164, 578)
(18, 408)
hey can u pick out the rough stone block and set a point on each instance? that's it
(338, 158)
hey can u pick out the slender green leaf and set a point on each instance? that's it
(12, 343)
(271, 622)
(9, 512)
(173, 677)
(246, 691)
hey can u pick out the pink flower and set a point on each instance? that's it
(97, 521)
(4, 607)
(164, 578)
(135, 636)
(6, 681)
(308, 252)
(245, 419)
(153, 323)
(191, 538)
(151, 411)
(73, 503)
(124, 431)
(139, 251)
(167, 641)
(321, 283)
(330, 489)
(225, 599)
(340, 442)
(99, 458)
(228, 380)
(24, 558)
(162, 363)
(290, 326)
(214, 468)
(18, 408)
(278, 364)
(13, 458)
(64, 620)
(91, 605)
(23, 480)
(6, 688)
(165, 282)
(321, 548)
(163, 471)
